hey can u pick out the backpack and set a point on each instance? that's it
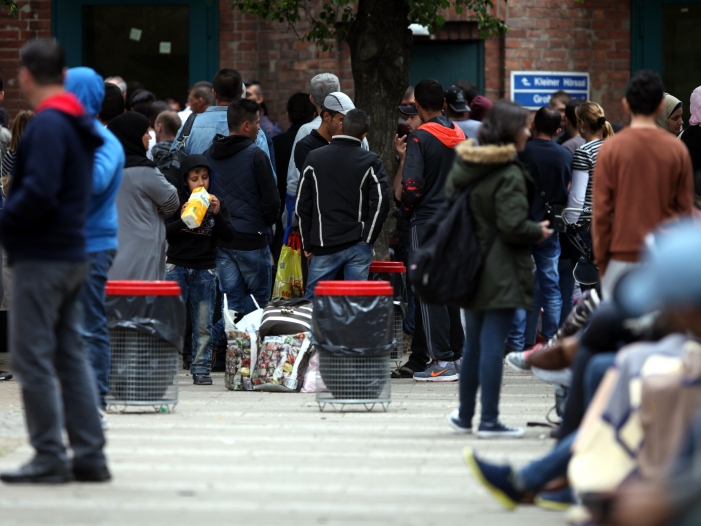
(446, 267)
(169, 164)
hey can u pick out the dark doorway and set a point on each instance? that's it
(148, 44)
(681, 53)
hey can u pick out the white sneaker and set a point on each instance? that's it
(458, 425)
(517, 362)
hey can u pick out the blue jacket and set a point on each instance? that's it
(213, 122)
(44, 215)
(101, 225)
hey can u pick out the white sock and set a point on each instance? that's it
(442, 364)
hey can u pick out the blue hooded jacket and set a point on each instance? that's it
(101, 224)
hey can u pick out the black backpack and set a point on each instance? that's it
(169, 165)
(446, 267)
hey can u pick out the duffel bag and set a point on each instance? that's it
(282, 317)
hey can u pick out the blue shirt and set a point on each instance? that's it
(210, 123)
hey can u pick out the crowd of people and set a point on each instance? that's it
(563, 203)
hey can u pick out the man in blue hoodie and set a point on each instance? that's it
(42, 229)
(100, 228)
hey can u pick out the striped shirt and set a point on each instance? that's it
(8, 163)
(585, 160)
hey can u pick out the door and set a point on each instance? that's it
(664, 38)
(448, 62)
(164, 45)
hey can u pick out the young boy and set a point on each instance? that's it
(192, 255)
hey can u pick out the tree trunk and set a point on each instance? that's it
(380, 45)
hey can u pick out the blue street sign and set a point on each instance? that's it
(532, 89)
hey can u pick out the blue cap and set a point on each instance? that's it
(670, 274)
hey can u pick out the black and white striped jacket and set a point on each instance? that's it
(343, 196)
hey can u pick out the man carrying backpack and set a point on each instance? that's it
(429, 157)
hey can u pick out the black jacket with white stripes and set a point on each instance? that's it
(343, 197)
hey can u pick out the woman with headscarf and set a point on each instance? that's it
(671, 120)
(692, 138)
(144, 199)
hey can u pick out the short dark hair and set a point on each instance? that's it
(560, 96)
(571, 111)
(202, 84)
(356, 123)
(470, 89)
(45, 59)
(112, 104)
(300, 108)
(170, 120)
(547, 120)
(204, 92)
(228, 85)
(503, 123)
(4, 118)
(141, 100)
(429, 94)
(155, 109)
(644, 92)
(241, 111)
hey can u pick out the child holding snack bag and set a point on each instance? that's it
(192, 254)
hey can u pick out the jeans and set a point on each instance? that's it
(242, 274)
(58, 384)
(565, 269)
(516, 341)
(355, 262)
(199, 293)
(483, 362)
(547, 291)
(95, 333)
(537, 474)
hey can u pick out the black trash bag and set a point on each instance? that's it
(160, 316)
(146, 333)
(398, 282)
(353, 334)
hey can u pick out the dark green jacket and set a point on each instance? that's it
(500, 203)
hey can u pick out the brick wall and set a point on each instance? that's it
(33, 21)
(565, 35)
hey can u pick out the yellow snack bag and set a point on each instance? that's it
(196, 208)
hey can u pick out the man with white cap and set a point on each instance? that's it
(335, 107)
(343, 198)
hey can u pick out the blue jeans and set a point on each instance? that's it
(354, 260)
(242, 274)
(516, 340)
(483, 362)
(537, 474)
(547, 291)
(94, 331)
(199, 293)
(565, 268)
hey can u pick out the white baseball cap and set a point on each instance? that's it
(338, 102)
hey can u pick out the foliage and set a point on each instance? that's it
(11, 5)
(332, 20)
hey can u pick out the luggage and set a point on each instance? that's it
(282, 317)
(240, 354)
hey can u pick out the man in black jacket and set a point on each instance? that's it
(245, 181)
(342, 203)
(429, 157)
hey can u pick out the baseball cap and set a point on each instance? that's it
(409, 109)
(670, 274)
(338, 102)
(479, 107)
(455, 97)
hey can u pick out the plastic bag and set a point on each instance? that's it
(311, 382)
(288, 279)
(241, 347)
(281, 363)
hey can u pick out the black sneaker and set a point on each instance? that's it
(201, 379)
(4, 375)
(91, 474)
(36, 472)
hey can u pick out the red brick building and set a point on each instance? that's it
(170, 44)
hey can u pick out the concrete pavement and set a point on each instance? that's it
(267, 459)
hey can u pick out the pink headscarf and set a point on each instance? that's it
(695, 107)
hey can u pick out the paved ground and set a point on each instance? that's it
(267, 459)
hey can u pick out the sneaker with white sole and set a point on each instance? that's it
(103, 419)
(499, 430)
(459, 426)
(517, 361)
(435, 373)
